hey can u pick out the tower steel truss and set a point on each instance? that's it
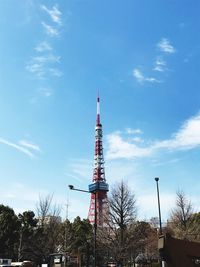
(99, 187)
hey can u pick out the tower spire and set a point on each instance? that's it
(98, 110)
(99, 187)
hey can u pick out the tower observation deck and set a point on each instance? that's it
(98, 188)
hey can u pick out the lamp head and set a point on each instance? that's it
(71, 187)
(157, 179)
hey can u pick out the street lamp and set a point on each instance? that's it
(160, 230)
(71, 187)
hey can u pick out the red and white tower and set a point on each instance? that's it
(99, 187)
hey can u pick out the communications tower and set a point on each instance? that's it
(99, 187)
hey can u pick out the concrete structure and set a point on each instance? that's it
(178, 253)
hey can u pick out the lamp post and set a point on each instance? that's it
(160, 222)
(71, 187)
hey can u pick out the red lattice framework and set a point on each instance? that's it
(99, 187)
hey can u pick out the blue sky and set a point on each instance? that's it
(143, 56)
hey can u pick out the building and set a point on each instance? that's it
(49, 219)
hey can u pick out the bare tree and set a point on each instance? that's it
(49, 226)
(45, 208)
(195, 226)
(143, 239)
(154, 222)
(180, 215)
(122, 213)
(122, 205)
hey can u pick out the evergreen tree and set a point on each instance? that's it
(28, 224)
(82, 240)
(9, 232)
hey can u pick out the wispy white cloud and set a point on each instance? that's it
(158, 162)
(133, 131)
(23, 196)
(25, 147)
(141, 78)
(29, 145)
(160, 65)
(121, 148)
(165, 46)
(80, 168)
(46, 59)
(50, 30)
(78, 205)
(73, 177)
(138, 75)
(147, 205)
(43, 47)
(54, 13)
(46, 92)
(18, 185)
(55, 72)
(40, 66)
(36, 68)
(137, 139)
(187, 137)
